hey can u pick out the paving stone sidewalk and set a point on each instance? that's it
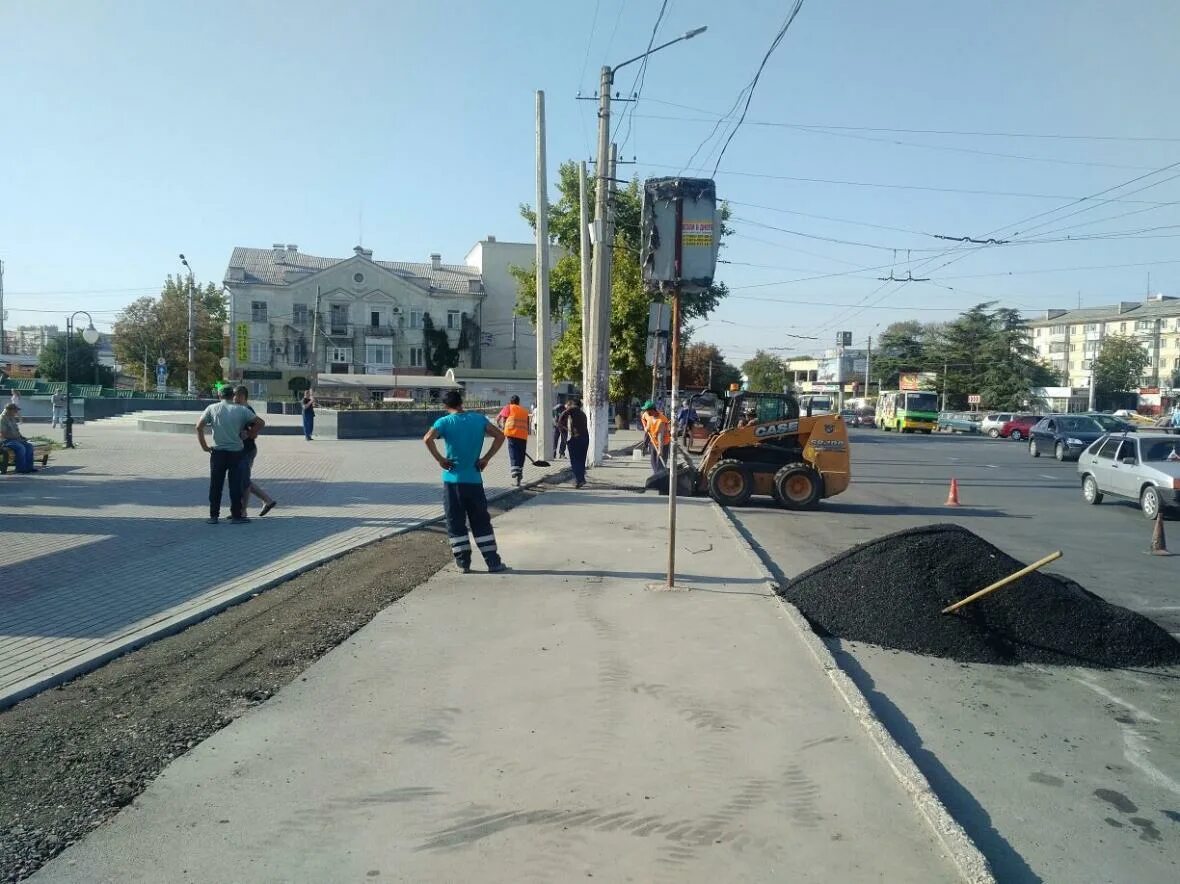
(108, 545)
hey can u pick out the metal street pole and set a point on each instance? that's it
(192, 344)
(544, 444)
(90, 336)
(840, 375)
(868, 365)
(675, 357)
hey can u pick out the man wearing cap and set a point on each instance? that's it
(229, 422)
(12, 438)
(514, 421)
(659, 432)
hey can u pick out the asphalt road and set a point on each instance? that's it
(1058, 773)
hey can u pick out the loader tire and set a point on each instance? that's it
(798, 486)
(731, 483)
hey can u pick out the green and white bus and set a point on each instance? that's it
(906, 411)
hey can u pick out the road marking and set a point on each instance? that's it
(990, 466)
(1135, 751)
(1048, 476)
(1103, 692)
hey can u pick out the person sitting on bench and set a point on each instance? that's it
(11, 438)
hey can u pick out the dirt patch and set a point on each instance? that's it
(890, 592)
(74, 755)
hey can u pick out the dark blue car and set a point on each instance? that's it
(1067, 435)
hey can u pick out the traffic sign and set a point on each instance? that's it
(161, 362)
(973, 399)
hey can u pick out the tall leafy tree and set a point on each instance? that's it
(901, 347)
(1118, 367)
(630, 375)
(155, 327)
(765, 373)
(84, 365)
(703, 365)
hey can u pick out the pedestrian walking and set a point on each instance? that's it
(12, 439)
(685, 421)
(573, 423)
(308, 414)
(227, 421)
(464, 502)
(14, 399)
(58, 404)
(562, 437)
(513, 419)
(250, 452)
(659, 434)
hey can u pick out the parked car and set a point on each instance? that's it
(958, 422)
(991, 423)
(1018, 427)
(1110, 423)
(1067, 435)
(867, 417)
(1144, 467)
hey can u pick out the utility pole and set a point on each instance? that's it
(595, 393)
(868, 365)
(945, 366)
(544, 387)
(315, 340)
(192, 341)
(675, 356)
(840, 375)
(584, 222)
(514, 342)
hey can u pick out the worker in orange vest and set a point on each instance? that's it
(659, 433)
(514, 421)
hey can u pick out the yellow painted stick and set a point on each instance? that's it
(988, 590)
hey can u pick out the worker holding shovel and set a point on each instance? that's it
(514, 421)
(659, 434)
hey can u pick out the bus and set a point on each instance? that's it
(906, 411)
(819, 403)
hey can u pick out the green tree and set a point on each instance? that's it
(437, 349)
(901, 347)
(630, 375)
(765, 373)
(1118, 367)
(695, 363)
(158, 327)
(84, 365)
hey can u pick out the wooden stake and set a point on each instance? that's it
(999, 584)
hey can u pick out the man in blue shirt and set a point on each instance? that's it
(463, 496)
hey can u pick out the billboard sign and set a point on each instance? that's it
(681, 230)
(918, 380)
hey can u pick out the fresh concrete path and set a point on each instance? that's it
(554, 723)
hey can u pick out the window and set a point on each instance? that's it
(1106, 452)
(415, 319)
(1128, 451)
(1039, 330)
(299, 353)
(1122, 328)
(258, 390)
(454, 320)
(259, 351)
(1057, 330)
(299, 314)
(375, 318)
(417, 357)
(1145, 325)
(341, 355)
(1094, 328)
(358, 278)
(379, 354)
(338, 317)
(258, 311)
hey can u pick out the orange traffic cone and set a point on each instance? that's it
(1159, 544)
(952, 499)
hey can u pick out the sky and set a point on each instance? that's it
(132, 131)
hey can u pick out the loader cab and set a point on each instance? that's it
(767, 407)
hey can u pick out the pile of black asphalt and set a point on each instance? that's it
(891, 591)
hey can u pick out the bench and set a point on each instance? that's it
(8, 457)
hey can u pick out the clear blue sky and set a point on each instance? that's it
(136, 130)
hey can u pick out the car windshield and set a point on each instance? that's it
(1160, 450)
(1078, 425)
(921, 402)
(1107, 422)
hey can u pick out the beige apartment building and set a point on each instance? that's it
(1068, 340)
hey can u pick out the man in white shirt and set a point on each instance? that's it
(228, 422)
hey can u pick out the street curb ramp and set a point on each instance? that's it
(970, 862)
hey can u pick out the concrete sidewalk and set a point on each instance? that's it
(557, 722)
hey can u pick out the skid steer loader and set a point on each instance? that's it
(762, 445)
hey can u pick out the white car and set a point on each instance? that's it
(1143, 467)
(991, 423)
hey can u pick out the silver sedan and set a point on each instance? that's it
(1144, 467)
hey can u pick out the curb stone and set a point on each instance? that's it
(972, 865)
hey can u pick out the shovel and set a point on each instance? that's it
(536, 463)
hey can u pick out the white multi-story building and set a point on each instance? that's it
(374, 316)
(1068, 340)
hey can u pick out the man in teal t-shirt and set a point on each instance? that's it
(463, 496)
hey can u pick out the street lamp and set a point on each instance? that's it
(90, 336)
(192, 350)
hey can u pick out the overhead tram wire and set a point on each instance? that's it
(637, 83)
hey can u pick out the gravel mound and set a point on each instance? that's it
(890, 591)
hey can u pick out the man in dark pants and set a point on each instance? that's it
(463, 496)
(228, 422)
(559, 444)
(573, 423)
(514, 421)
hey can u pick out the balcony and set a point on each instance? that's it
(338, 329)
(379, 331)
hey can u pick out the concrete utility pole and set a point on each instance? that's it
(584, 219)
(840, 375)
(868, 365)
(192, 341)
(544, 435)
(315, 340)
(675, 357)
(945, 366)
(596, 373)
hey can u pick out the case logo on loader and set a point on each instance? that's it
(829, 428)
(776, 429)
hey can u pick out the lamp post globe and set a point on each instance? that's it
(90, 335)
